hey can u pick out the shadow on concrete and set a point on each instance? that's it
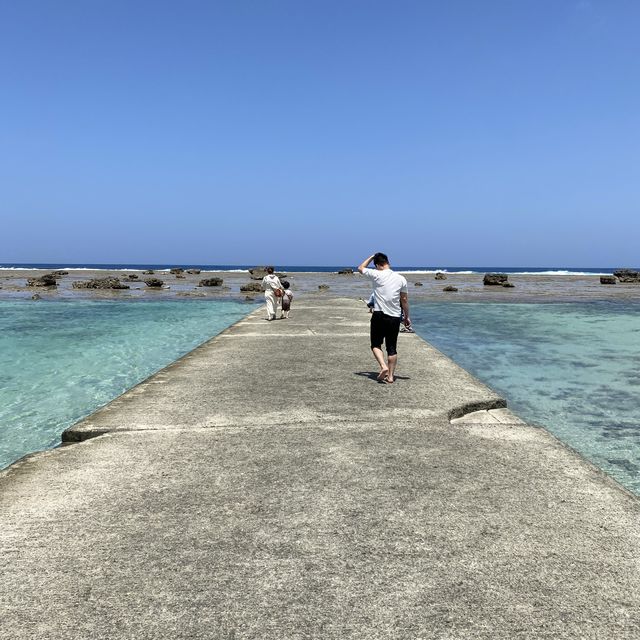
(373, 375)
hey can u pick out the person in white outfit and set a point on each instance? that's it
(271, 286)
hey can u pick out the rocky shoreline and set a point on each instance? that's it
(181, 283)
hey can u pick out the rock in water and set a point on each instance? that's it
(133, 276)
(627, 275)
(210, 282)
(345, 272)
(100, 283)
(35, 296)
(251, 286)
(450, 288)
(323, 287)
(176, 270)
(495, 279)
(508, 285)
(47, 280)
(148, 272)
(418, 284)
(440, 276)
(60, 273)
(193, 271)
(608, 280)
(154, 283)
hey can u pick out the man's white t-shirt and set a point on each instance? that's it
(387, 287)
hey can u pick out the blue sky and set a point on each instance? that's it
(504, 132)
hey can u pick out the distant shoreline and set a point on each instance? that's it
(242, 268)
(236, 283)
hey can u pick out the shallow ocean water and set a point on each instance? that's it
(572, 367)
(60, 361)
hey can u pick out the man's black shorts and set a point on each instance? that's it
(385, 329)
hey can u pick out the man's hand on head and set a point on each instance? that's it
(365, 263)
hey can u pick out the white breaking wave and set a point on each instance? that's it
(560, 272)
(111, 269)
(64, 269)
(556, 273)
(427, 271)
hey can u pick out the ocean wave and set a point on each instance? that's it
(164, 270)
(326, 270)
(561, 272)
(28, 268)
(432, 271)
(558, 272)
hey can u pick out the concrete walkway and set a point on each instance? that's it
(265, 486)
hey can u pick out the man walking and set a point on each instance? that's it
(390, 302)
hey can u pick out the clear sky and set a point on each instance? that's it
(449, 132)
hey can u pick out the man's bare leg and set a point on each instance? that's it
(379, 356)
(393, 360)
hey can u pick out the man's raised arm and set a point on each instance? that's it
(364, 264)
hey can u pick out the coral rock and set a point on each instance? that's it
(211, 282)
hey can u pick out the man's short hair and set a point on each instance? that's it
(270, 270)
(380, 259)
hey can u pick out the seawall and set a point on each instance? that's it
(266, 486)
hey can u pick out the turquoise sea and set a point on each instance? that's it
(574, 368)
(60, 361)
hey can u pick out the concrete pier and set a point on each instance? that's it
(266, 486)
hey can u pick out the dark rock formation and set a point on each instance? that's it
(180, 276)
(47, 280)
(450, 288)
(508, 285)
(345, 272)
(133, 276)
(440, 276)
(60, 273)
(176, 270)
(418, 284)
(100, 283)
(148, 272)
(35, 296)
(608, 280)
(154, 283)
(495, 279)
(210, 282)
(193, 271)
(627, 275)
(257, 273)
(251, 286)
(323, 287)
